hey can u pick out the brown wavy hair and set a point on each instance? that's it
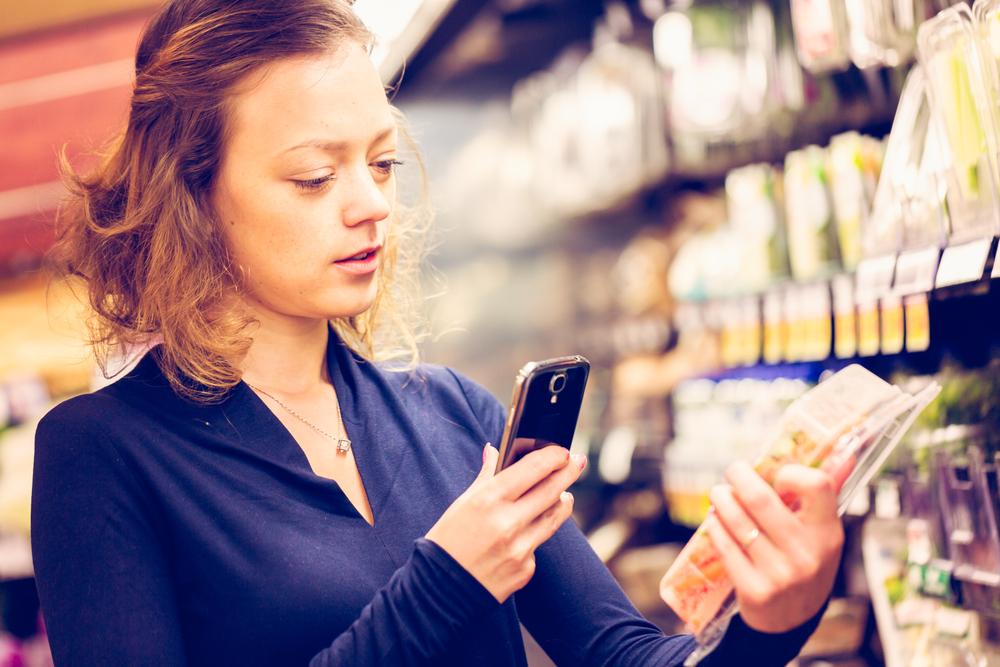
(139, 233)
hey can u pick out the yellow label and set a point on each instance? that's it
(892, 326)
(752, 344)
(868, 331)
(918, 323)
(846, 334)
(773, 343)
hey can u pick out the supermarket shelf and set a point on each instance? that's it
(889, 306)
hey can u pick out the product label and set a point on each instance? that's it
(845, 321)
(752, 331)
(937, 580)
(918, 323)
(868, 329)
(874, 276)
(916, 271)
(963, 263)
(774, 332)
(892, 325)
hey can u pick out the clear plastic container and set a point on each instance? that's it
(854, 164)
(883, 32)
(957, 75)
(968, 511)
(755, 217)
(812, 233)
(854, 417)
(821, 34)
(908, 206)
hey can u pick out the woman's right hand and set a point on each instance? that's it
(493, 529)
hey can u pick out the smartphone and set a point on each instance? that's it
(544, 407)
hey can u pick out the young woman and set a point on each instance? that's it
(261, 489)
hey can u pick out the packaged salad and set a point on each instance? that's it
(952, 54)
(852, 419)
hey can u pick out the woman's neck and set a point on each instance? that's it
(288, 356)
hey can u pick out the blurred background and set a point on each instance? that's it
(718, 202)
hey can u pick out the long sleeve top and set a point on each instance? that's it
(166, 532)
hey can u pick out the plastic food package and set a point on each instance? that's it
(908, 207)
(955, 66)
(755, 216)
(852, 419)
(821, 34)
(812, 235)
(855, 162)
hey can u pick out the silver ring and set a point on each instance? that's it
(752, 535)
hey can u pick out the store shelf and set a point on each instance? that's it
(885, 308)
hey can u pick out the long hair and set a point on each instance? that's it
(139, 232)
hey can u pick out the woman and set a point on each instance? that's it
(258, 490)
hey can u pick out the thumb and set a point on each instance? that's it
(490, 455)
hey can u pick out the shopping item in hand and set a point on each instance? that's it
(851, 421)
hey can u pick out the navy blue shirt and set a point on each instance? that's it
(170, 533)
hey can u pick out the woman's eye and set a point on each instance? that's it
(313, 184)
(386, 167)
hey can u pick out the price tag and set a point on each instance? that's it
(793, 325)
(874, 276)
(728, 327)
(868, 329)
(915, 271)
(918, 323)
(963, 263)
(752, 336)
(845, 321)
(892, 325)
(820, 321)
(774, 328)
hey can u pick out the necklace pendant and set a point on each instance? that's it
(343, 446)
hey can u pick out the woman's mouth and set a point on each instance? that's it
(362, 263)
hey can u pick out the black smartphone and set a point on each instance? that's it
(544, 407)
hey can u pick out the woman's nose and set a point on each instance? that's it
(366, 199)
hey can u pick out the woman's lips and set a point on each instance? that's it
(361, 266)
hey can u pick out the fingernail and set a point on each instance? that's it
(580, 460)
(485, 449)
(565, 496)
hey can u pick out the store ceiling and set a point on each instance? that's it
(20, 17)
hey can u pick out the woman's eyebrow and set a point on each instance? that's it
(338, 146)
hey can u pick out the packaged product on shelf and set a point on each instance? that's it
(987, 17)
(953, 60)
(812, 234)
(821, 34)
(733, 45)
(855, 162)
(620, 122)
(908, 206)
(755, 216)
(882, 32)
(851, 421)
(968, 510)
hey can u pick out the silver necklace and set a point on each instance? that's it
(343, 444)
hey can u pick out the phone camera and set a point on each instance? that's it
(557, 383)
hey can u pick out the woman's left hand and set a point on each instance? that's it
(782, 561)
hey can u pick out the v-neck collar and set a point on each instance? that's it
(338, 359)
(382, 432)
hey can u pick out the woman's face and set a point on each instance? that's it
(306, 181)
